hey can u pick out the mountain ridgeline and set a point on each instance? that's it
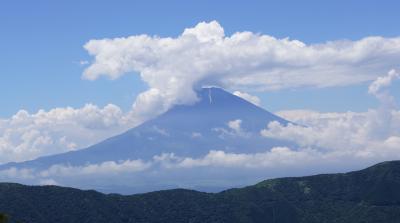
(370, 195)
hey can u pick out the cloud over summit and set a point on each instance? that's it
(204, 55)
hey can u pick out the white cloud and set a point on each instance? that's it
(378, 88)
(248, 97)
(350, 132)
(26, 136)
(371, 132)
(167, 165)
(160, 131)
(48, 182)
(217, 168)
(235, 125)
(83, 62)
(276, 156)
(204, 55)
(77, 176)
(196, 135)
(106, 168)
(382, 82)
(234, 130)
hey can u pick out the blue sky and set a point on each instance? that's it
(42, 43)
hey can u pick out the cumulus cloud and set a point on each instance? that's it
(358, 135)
(105, 168)
(48, 182)
(204, 55)
(217, 169)
(196, 135)
(170, 167)
(248, 97)
(235, 125)
(378, 88)
(382, 82)
(373, 133)
(276, 156)
(234, 129)
(26, 136)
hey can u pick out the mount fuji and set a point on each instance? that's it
(219, 121)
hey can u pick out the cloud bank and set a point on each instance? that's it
(204, 55)
(25, 136)
(373, 134)
(217, 168)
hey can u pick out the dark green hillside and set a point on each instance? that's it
(370, 195)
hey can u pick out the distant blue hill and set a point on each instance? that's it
(185, 130)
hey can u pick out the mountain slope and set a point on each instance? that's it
(185, 130)
(369, 195)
